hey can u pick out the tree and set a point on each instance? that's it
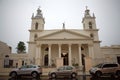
(21, 47)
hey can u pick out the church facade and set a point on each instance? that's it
(72, 46)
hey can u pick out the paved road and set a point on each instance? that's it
(46, 78)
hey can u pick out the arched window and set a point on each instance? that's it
(36, 26)
(46, 49)
(35, 37)
(90, 25)
(91, 35)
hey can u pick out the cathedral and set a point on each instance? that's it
(65, 46)
(58, 47)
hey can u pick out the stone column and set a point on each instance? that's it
(40, 55)
(36, 56)
(80, 57)
(59, 50)
(70, 58)
(49, 55)
(91, 54)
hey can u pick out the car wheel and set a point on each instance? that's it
(98, 73)
(118, 73)
(53, 75)
(73, 75)
(13, 74)
(34, 74)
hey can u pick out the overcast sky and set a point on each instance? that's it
(15, 18)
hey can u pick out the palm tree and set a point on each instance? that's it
(21, 47)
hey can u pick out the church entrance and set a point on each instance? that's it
(83, 61)
(65, 58)
(46, 60)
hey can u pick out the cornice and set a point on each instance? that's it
(97, 41)
(31, 42)
(91, 29)
(35, 30)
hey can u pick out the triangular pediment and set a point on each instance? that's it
(64, 34)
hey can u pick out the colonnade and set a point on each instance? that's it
(39, 55)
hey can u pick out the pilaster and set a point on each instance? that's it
(80, 57)
(49, 55)
(70, 58)
(59, 50)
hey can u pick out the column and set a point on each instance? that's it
(59, 50)
(49, 55)
(70, 60)
(91, 54)
(36, 56)
(40, 55)
(80, 57)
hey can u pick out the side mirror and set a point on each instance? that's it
(103, 67)
(58, 69)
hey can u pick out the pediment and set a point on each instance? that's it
(64, 34)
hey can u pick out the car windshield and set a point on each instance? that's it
(61, 68)
(98, 66)
(69, 68)
(24, 66)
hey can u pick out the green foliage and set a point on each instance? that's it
(21, 47)
(75, 64)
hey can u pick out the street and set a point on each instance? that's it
(46, 78)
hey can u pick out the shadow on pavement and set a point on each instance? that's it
(40, 79)
(105, 78)
(64, 79)
(24, 79)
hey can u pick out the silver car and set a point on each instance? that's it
(32, 70)
(105, 69)
(64, 71)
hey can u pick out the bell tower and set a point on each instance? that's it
(89, 24)
(88, 20)
(37, 26)
(37, 21)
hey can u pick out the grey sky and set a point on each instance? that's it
(15, 18)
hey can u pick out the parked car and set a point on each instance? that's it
(105, 68)
(69, 71)
(32, 70)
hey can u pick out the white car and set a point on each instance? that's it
(32, 70)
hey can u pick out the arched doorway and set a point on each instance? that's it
(83, 61)
(46, 60)
(65, 58)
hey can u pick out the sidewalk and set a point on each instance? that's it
(46, 74)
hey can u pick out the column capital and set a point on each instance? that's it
(69, 44)
(38, 45)
(59, 44)
(79, 45)
(90, 44)
(49, 44)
